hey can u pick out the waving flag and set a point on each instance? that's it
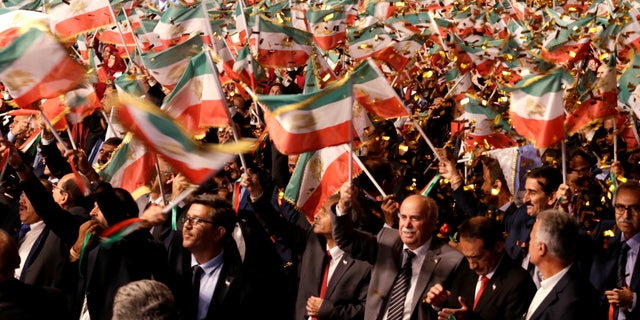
(375, 94)
(600, 102)
(367, 42)
(317, 176)
(73, 17)
(163, 135)
(13, 19)
(319, 73)
(282, 46)
(197, 101)
(569, 43)
(112, 36)
(167, 66)
(537, 111)
(305, 122)
(629, 85)
(329, 27)
(179, 23)
(130, 167)
(27, 75)
(487, 127)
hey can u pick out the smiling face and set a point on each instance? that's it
(27, 214)
(417, 221)
(535, 198)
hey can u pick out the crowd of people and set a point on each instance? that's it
(472, 248)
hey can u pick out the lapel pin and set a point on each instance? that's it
(344, 261)
(494, 287)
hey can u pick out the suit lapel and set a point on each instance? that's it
(343, 265)
(495, 282)
(431, 260)
(552, 296)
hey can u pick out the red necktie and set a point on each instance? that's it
(483, 284)
(325, 277)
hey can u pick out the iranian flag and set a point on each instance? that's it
(364, 43)
(243, 68)
(600, 103)
(80, 103)
(401, 53)
(242, 27)
(317, 176)
(629, 85)
(319, 73)
(197, 101)
(486, 126)
(13, 19)
(28, 76)
(163, 135)
(536, 109)
(375, 94)
(32, 5)
(149, 39)
(73, 17)
(112, 36)
(168, 65)
(569, 42)
(299, 123)
(282, 46)
(329, 27)
(130, 167)
(178, 23)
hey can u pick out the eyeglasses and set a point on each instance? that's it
(55, 186)
(633, 209)
(194, 220)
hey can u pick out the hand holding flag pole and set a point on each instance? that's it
(53, 131)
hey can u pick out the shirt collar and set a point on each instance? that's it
(36, 226)
(634, 242)
(421, 250)
(335, 252)
(210, 266)
(548, 284)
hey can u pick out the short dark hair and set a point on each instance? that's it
(128, 205)
(221, 214)
(9, 257)
(495, 171)
(552, 178)
(113, 141)
(482, 228)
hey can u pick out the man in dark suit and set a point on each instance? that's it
(406, 262)
(44, 256)
(332, 284)
(491, 285)
(19, 301)
(564, 293)
(226, 288)
(614, 273)
(104, 268)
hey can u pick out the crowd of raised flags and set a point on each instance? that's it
(518, 72)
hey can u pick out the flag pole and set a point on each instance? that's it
(73, 143)
(351, 155)
(53, 131)
(564, 161)
(615, 139)
(124, 43)
(373, 180)
(424, 135)
(183, 195)
(109, 124)
(157, 165)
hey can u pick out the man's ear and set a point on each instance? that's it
(220, 232)
(552, 199)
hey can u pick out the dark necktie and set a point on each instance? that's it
(400, 287)
(195, 280)
(622, 266)
(23, 231)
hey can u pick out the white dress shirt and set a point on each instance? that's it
(546, 285)
(27, 243)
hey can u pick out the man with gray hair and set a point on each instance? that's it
(144, 300)
(563, 293)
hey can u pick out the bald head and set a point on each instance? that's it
(9, 258)
(418, 216)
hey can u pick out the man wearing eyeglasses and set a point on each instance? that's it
(615, 272)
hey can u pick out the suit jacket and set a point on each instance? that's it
(573, 298)
(47, 264)
(518, 227)
(604, 272)
(104, 269)
(507, 295)
(20, 301)
(384, 251)
(346, 291)
(249, 289)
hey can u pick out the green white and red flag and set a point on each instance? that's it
(243, 68)
(14, 19)
(600, 102)
(163, 135)
(282, 46)
(80, 103)
(364, 43)
(537, 108)
(318, 175)
(28, 76)
(130, 167)
(300, 123)
(197, 101)
(486, 126)
(31, 5)
(73, 17)
(329, 27)
(374, 93)
(629, 84)
(168, 65)
(569, 42)
(112, 36)
(149, 40)
(178, 24)
(319, 73)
